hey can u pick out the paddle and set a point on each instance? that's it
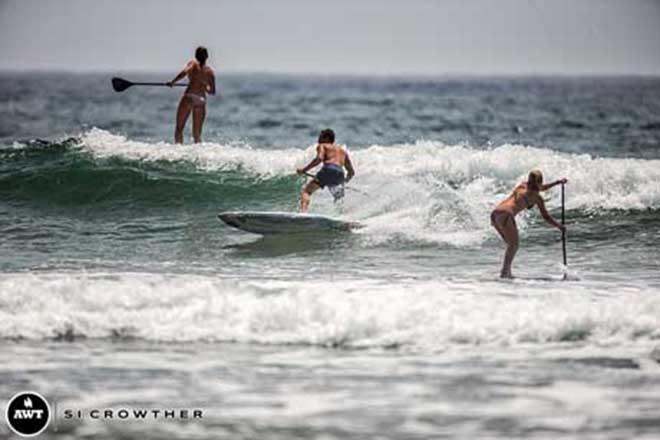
(121, 84)
(347, 187)
(563, 222)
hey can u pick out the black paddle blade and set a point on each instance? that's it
(120, 84)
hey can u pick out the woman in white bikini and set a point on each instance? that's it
(201, 80)
(524, 196)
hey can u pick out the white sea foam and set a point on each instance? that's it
(425, 191)
(424, 167)
(206, 156)
(429, 315)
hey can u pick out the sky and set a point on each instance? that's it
(423, 37)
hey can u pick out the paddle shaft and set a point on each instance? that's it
(563, 222)
(158, 84)
(121, 84)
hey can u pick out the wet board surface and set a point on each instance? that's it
(284, 222)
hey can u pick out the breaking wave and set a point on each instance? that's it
(351, 313)
(425, 191)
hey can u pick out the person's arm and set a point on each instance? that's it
(317, 160)
(555, 183)
(546, 215)
(210, 87)
(349, 167)
(180, 75)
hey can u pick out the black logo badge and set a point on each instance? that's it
(27, 413)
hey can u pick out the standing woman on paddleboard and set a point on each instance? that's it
(524, 196)
(201, 81)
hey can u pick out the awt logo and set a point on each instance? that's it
(28, 413)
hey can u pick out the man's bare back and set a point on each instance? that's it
(331, 154)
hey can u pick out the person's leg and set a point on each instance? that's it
(199, 113)
(495, 221)
(182, 114)
(306, 195)
(509, 232)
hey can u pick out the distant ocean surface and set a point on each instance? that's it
(120, 288)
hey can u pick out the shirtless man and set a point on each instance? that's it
(334, 158)
(201, 81)
(524, 196)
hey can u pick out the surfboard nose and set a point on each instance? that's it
(229, 218)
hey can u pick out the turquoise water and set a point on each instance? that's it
(119, 286)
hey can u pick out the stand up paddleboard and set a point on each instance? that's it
(284, 222)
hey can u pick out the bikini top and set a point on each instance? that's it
(525, 199)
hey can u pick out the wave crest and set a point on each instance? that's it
(425, 191)
(429, 315)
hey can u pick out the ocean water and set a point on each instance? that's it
(120, 288)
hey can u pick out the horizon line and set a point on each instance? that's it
(339, 74)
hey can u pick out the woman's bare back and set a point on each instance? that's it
(200, 78)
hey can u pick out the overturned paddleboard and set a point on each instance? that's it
(284, 222)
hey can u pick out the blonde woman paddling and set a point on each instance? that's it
(524, 196)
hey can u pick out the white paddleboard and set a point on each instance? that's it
(283, 222)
